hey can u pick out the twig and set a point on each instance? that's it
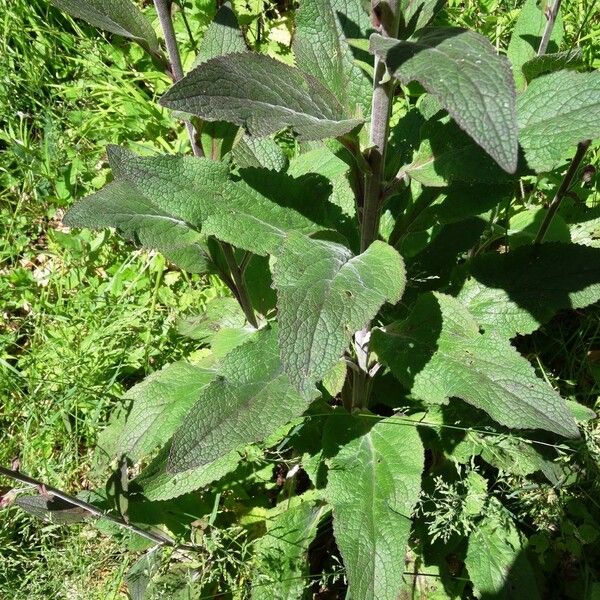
(163, 8)
(562, 190)
(551, 14)
(163, 540)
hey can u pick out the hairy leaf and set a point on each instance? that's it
(253, 213)
(52, 509)
(123, 206)
(416, 14)
(220, 313)
(462, 70)
(527, 35)
(447, 155)
(250, 399)
(324, 295)
(259, 152)
(517, 292)
(260, 94)
(122, 17)
(157, 482)
(373, 485)
(496, 559)
(439, 352)
(548, 63)
(159, 405)
(281, 554)
(556, 112)
(321, 49)
(222, 37)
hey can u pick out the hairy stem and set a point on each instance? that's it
(237, 275)
(551, 14)
(163, 9)
(163, 540)
(562, 190)
(386, 14)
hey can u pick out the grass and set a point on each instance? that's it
(82, 316)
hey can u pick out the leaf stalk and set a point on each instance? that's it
(562, 190)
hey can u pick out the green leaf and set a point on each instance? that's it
(556, 112)
(122, 17)
(159, 405)
(439, 352)
(138, 578)
(222, 37)
(121, 205)
(548, 63)
(281, 554)
(324, 295)
(52, 509)
(321, 49)
(253, 213)
(448, 155)
(527, 35)
(416, 14)
(220, 313)
(260, 94)
(517, 292)
(257, 152)
(373, 485)
(463, 71)
(157, 483)
(496, 559)
(248, 401)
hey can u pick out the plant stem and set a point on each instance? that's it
(163, 540)
(562, 190)
(163, 9)
(387, 14)
(240, 285)
(551, 15)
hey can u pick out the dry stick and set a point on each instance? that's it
(163, 540)
(562, 190)
(551, 15)
(387, 14)
(163, 8)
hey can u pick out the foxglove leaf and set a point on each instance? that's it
(157, 483)
(548, 63)
(556, 112)
(447, 155)
(52, 509)
(259, 152)
(222, 37)
(253, 213)
(321, 49)
(159, 405)
(281, 554)
(373, 485)
(496, 559)
(260, 94)
(250, 399)
(515, 293)
(463, 71)
(123, 206)
(324, 295)
(416, 14)
(220, 313)
(527, 35)
(122, 17)
(439, 352)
